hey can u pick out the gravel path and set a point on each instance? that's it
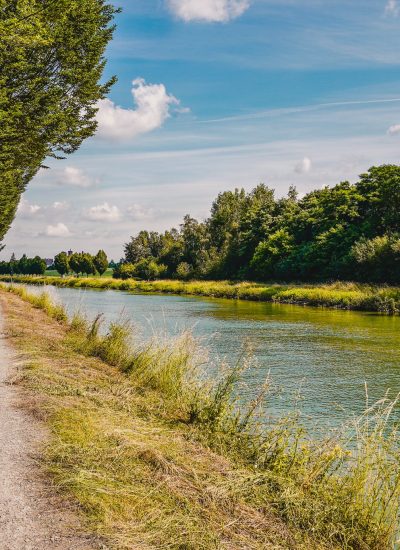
(31, 517)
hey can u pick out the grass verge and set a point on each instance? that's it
(339, 295)
(158, 460)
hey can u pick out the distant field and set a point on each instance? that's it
(54, 273)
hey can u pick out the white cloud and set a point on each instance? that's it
(59, 230)
(138, 212)
(392, 8)
(76, 177)
(103, 212)
(27, 210)
(303, 167)
(60, 206)
(395, 129)
(212, 11)
(153, 106)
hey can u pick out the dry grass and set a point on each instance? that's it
(132, 467)
(131, 445)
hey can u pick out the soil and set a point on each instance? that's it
(32, 515)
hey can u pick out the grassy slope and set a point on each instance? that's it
(129, 463)
(337, 295)
(133, 445)
(53, 273)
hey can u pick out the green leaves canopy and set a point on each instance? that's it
(51, 63)
(349, 231)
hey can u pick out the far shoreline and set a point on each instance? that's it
(338, 295)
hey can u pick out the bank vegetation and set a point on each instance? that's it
(339, 295)
(158, 457)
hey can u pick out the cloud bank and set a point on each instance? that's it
(75, 177)
(303, 167)
(103, 212)
(393, 130)
(211, 11)
(392, 8)
(27, 210)
(58, 230)
(153, 107)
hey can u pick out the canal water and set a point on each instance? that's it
(319, 360)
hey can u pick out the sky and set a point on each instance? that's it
(214, 95)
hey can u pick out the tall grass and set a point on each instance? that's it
(344, 489)
(41, 301)
(340, 295)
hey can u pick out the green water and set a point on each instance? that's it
(318, 359)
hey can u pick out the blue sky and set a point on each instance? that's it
(226, 93)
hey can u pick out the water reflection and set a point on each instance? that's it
(329, 355)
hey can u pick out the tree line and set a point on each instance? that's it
(79, 263)
(345, 232)
(23, 266)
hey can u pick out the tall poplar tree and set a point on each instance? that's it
(51, 65)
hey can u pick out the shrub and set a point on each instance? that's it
(184, 271)
(124, 271)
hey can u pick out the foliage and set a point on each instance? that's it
(318, 237)
(75, 261)
(61, 263)
(24, 266)
(183, 271)
(148, 269)
(378, 259)
(124, 271)
(52, 62)
(83, 262)
(87, 264)
(100, 262)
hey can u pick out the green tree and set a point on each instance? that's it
(61, 263)
(37, 266)
(378, 259)
(184, 271)
(100, 262)
(75, 262)
(51, 66)
(148, 269)
(124, 271)
(86, 264)
(195, 243)
(379, 204)
(23, 265)
(270, 253)
(348, 231)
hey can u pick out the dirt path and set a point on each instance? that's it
(31, 517)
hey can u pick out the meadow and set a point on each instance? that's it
(146, 447)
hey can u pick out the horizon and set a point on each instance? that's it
(213, 96)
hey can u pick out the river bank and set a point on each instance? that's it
(32, 512)
(149, 456)
(347, 296)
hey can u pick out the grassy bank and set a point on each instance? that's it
(336, 295)
(107, 274)
(157, 459)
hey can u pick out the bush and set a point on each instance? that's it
(184, 271)
(378, 259)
